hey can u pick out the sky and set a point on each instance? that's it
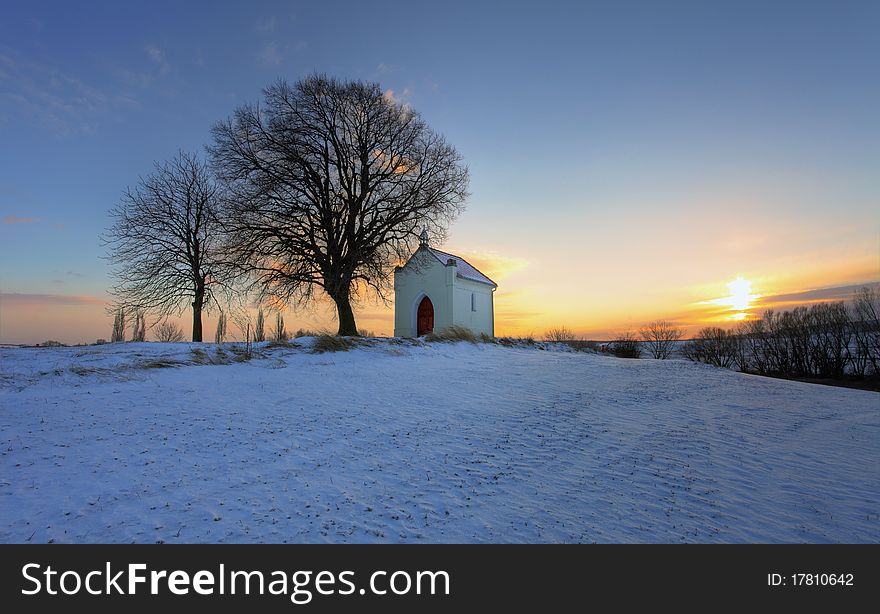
(629, 160)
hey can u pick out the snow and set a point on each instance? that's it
(464, 269)
(398, 442)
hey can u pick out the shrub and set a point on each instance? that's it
(560, 334)
(452, 333)
(626, 345)
(168, 332)
(660, 338)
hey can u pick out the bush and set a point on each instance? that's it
(660, 338)
(626, 345)
(452, 333)
(168, 332)
(559, 335)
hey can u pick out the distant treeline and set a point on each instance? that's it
(831, 340)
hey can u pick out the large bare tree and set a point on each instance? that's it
(164, 245)
(332, 182)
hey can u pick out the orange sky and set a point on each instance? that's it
(594, 301)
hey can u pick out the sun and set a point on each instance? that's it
(739, 300)
(741, 295)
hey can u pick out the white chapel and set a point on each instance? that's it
(435, 290)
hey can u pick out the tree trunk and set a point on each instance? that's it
(197, 316)
(347, 326)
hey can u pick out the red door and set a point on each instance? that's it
(425, 317)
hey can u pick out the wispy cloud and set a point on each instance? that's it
(157, 55)
(817, 295)
(270, 54)
(18, 298)
(267, 24)
(51, 97)
(14, 219)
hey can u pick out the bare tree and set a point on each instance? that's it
(118, 326)
(866, 329)
(260, 327)
(713, 346)
(168, 332)
(332, 182)
(164, 245)
(660, 337)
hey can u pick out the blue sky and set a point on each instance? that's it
(707, 123)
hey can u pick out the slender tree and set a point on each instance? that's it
(140, 327)
(332, 182)
(279, 333)
(220, 334)
(260, 327)
(118, 326)
(164, 245)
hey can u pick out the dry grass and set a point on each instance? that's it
(332, 343)
(451, 334)
(160, 363)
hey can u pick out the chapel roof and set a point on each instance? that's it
(465, 269)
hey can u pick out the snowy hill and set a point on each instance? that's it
(395, 442)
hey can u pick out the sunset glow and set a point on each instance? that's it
(739, 301)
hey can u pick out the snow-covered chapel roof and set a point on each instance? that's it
(465, 269)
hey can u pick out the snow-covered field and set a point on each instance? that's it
(433, 443)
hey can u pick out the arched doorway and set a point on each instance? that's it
(425, 317)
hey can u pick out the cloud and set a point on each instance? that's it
(17, 298)
(14, 219)
(270, 54)
(48, 96)
(817, 295)
(158, 57)
(268, 24)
